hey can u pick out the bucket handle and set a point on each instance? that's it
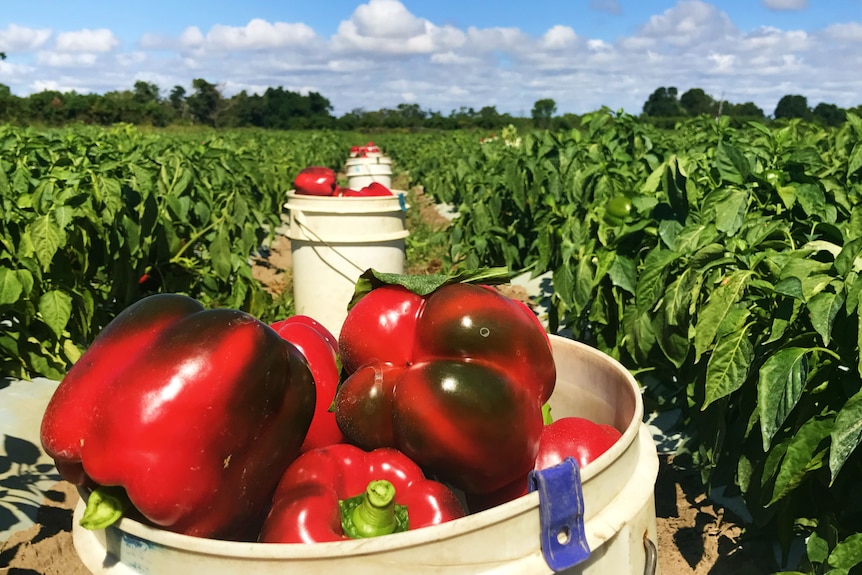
(561, 514)
(300, 220)
(651, 550)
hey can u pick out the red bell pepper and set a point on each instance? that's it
(188, 415)
(320, 349)
(575, 437)
(375, 189)
(455, 378)
(315, 181)
(342, 492)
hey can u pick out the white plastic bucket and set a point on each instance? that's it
(333, 240)
(619, 515)
(363, 171)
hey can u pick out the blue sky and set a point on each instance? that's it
(446, 54)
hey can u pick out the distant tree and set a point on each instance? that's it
(663, 103)
(2, 55)
(829, 114)
(204, 102)
(744, 110)
(696, 102)
(146, 92)
(792, 106)
(543, 111)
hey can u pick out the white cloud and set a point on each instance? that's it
(387, 27)
(22, 39)
(786, 4)
(259, 34)
(65, 59)
(559, 37)
(387, 19)
(849, 32)
(689, 23)
(192, 37)
(101, 40)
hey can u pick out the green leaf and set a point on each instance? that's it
(10, 286)
(730, 212)
(811, 198)
(848, 553)
(816, 548)
(846, 433)
(46, 238)
(790, 286)
(728, 366)
(424, 284)
(716, 308)
(781, 382)
(651, 282)
(732, 163)
(56, 309)
(623, 273)
(855, 160)
(823, 308)
(220, 255)
(803, 455)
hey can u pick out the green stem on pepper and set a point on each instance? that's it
(547, 418)
(374, 512)
(105, 506)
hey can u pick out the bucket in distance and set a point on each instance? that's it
(363, 171)
(333, 240)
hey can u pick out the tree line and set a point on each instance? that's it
(666, 104)
(282, 109)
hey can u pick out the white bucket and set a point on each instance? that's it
(333, 240)
(363, 171)
(618, 490)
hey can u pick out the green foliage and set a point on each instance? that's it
(732, 288)
(92, 220)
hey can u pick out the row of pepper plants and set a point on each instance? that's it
(93, 219)
(721, 265)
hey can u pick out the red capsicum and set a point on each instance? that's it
(315, 181)
(342, 492)
(185, 416)
(454, 376)
(320, 349)
(577, 437)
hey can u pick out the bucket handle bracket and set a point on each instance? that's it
(561, 514)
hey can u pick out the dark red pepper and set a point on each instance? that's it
(315, 181)
(342, 492)
(190, 415)
(320, 349)
(577, 437)
(455, 379)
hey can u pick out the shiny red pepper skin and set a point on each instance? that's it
(576, 437)
(315, 181)
(455, 379)
(305, 505)
(195, 413)
(320, 349)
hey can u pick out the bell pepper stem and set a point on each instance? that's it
(105, 506)
(547, 418)
(373, 512)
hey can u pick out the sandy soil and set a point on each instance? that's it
(695, 536)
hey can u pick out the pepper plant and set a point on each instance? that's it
(730, 287)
